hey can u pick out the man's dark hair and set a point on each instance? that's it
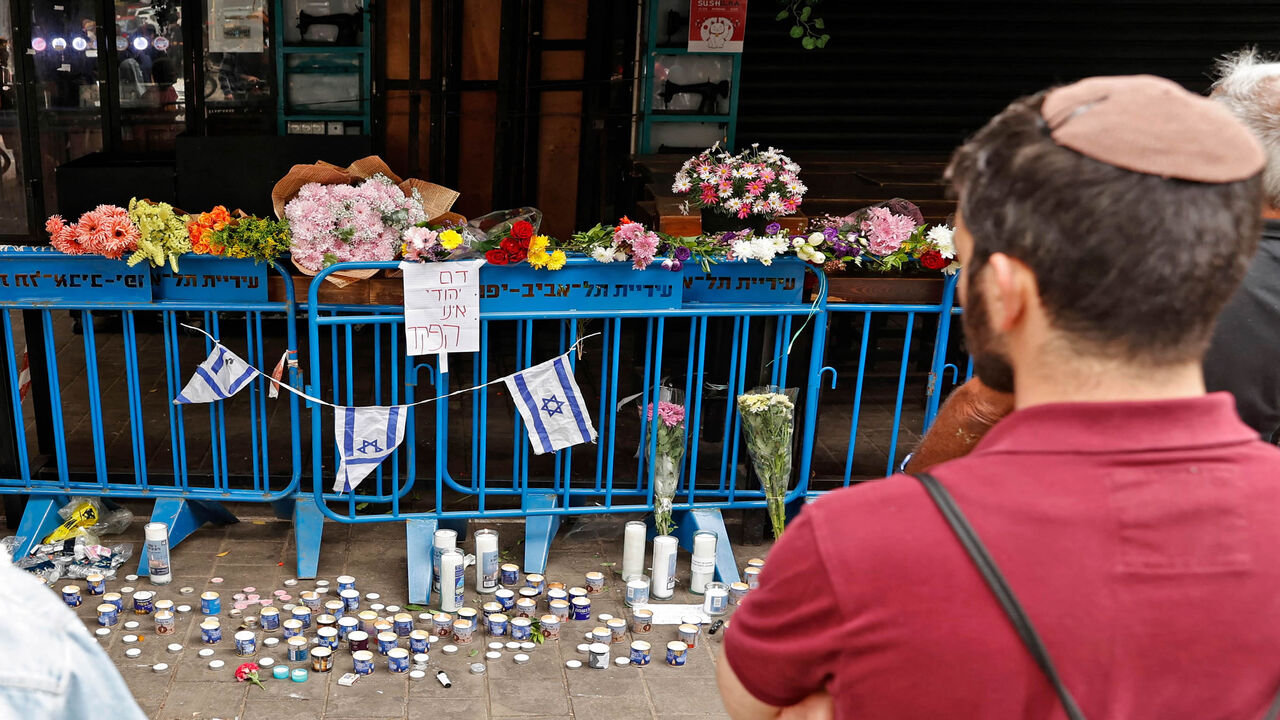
(1134, 266)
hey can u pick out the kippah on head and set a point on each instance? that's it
(1151, 125)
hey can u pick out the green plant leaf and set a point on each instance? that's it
(822, 41)
(805, 13)
(783, 15)
(818, 23)
(415, 608)
(809, 43)
(796, 31)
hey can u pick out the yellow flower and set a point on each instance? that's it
(558, 260)
(450, 239)
(539, 244)
(539, 259)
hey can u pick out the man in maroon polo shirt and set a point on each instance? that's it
(1102, 226)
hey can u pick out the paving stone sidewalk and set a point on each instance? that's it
(259, 553)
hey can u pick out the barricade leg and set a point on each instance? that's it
(689, 522)
(308, 531)
(38, 520)
(420, 535)
(539, 530)
(183, 518)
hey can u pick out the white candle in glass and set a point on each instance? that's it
(702, 567)
(664, 567)
(451, 580)
(633, 549)
(486, 561)
(443, 540)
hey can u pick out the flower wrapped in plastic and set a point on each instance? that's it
(768, 419)
(668, 459)
(358, 213)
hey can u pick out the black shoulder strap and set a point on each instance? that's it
(991, 573)
(1000, 588)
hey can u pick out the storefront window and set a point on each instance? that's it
(13, 206)
(64, 53)
(239, 78)
(149, 52)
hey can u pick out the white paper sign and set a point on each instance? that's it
(441, 307)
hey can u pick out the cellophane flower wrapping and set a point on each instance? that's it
(669, 456)
(768, 420)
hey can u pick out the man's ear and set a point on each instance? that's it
(1010, 290)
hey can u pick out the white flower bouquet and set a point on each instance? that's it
(768, 419)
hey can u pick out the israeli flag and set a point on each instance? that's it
(551, 404)
(220, 376)
(366, 436)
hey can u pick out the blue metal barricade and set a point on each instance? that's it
(99, 420)
(471, 450)
(908, 318)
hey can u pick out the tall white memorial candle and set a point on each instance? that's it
(451, 580)
(157, 537)
(486, 561)
(443, 540)
(703, 565)
(664, 567)
(633, 549)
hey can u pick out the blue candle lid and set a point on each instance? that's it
(299, 674)
(280, 672)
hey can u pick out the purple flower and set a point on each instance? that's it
(672, 264)
(728, 237)
(841, 247)
(830, 233)
(773, 228)
(683, 253)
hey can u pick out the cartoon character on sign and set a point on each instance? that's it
(716, 31)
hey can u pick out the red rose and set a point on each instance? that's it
(524, 244)
(517, 256)
(496, 256)
(510, 246)
(522, 230)
(933, 260)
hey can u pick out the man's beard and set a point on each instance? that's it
(990, 363)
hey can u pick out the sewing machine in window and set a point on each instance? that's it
(348, 26)
(710, 93)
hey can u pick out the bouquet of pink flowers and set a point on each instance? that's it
(668, 461)
(357, 213)
(763, 183)
(627, 241)
(105, 230)
(882, 238)
(359, 223)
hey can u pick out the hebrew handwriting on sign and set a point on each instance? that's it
(442, 306)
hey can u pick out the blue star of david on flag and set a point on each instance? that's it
(220, 376)
(553, 423)
(552, 406)
(366, 436)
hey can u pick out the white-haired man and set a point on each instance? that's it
(1244, 357)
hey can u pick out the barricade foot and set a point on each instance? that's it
(420, 534)
(420, 538)
(308, 531)
(183, 518)
(689, 522)
(539, 531)
(38, 520)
